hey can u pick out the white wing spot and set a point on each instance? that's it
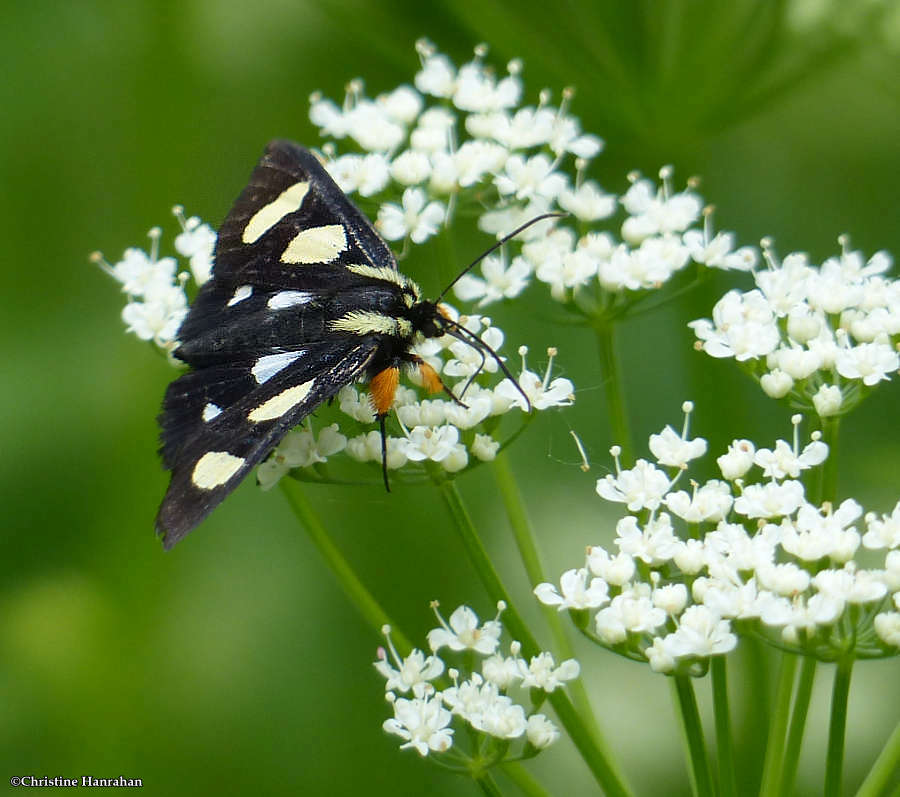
(241, 292)
(269, 215)
(316, 245)
(278, 405)
(210, 411)
(270, 364)
(284, 299)
(214, 469)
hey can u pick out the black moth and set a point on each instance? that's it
(305, 297)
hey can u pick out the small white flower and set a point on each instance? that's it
(640, 487)
(463, 633)
(737, 460)
(542, 673)
(671, 598)
(769, 500)
(654, 544)
(783, 461)
(628, 614)
(484, 447)
(196, 242)
(415, 218)
(777, 383)
(708, 503)
(850, 585)
(658, 656)
(529, 177)
(411, 167)
(827, 400)
(411, 673)
(883, 532)
(701, 633)
(542, 393)
(541, 732)
(422, 722)
(502, 671)
(159, 316)
(499, 281)
(576, 591)
(673, 450)
(403, 104)
(588, 202)
(140, 273)
(870, 362)
(887, 626)
(615, 570)
(431, 443)
(299, 449)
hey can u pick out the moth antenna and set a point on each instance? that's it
(454, 334)
(477, 343)
(384, 473)
(497, 245)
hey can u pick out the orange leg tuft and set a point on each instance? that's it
(382, 388)
(430, 378)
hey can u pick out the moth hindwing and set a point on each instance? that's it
(304, 298)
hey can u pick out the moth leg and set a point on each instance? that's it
(382, 389)
(431, 379)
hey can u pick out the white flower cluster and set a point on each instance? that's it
(745, 553)
(439, 431)
(823, 336)
(157, 303)
(462, 138)
(424, 716)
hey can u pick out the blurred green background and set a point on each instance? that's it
(234, 664)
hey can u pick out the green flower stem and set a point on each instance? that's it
(837, 729)
(693, 736)
(724, 740)
(526, 782)
(487, 785)
(524, 536)
(614, 388)
(798, 725)
(604, 772)
(828, 473)
(778, 726)
(884, 769)
(355, 590)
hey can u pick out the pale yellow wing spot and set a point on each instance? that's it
(289, 201)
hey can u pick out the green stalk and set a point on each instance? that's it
(724, 739)
(602, 769)
(523, 533)
(614, 389)
(778, 726)
(487, 785)
(884, 769)
(798, 726)
(526, 782)
(692, 729)
(837, 728)
(355, 590)
(828, 473)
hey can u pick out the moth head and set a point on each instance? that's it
(428, 318)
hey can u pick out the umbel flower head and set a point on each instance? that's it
(430, 709)
(693, 569)
(469, 140)
(822, 336)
